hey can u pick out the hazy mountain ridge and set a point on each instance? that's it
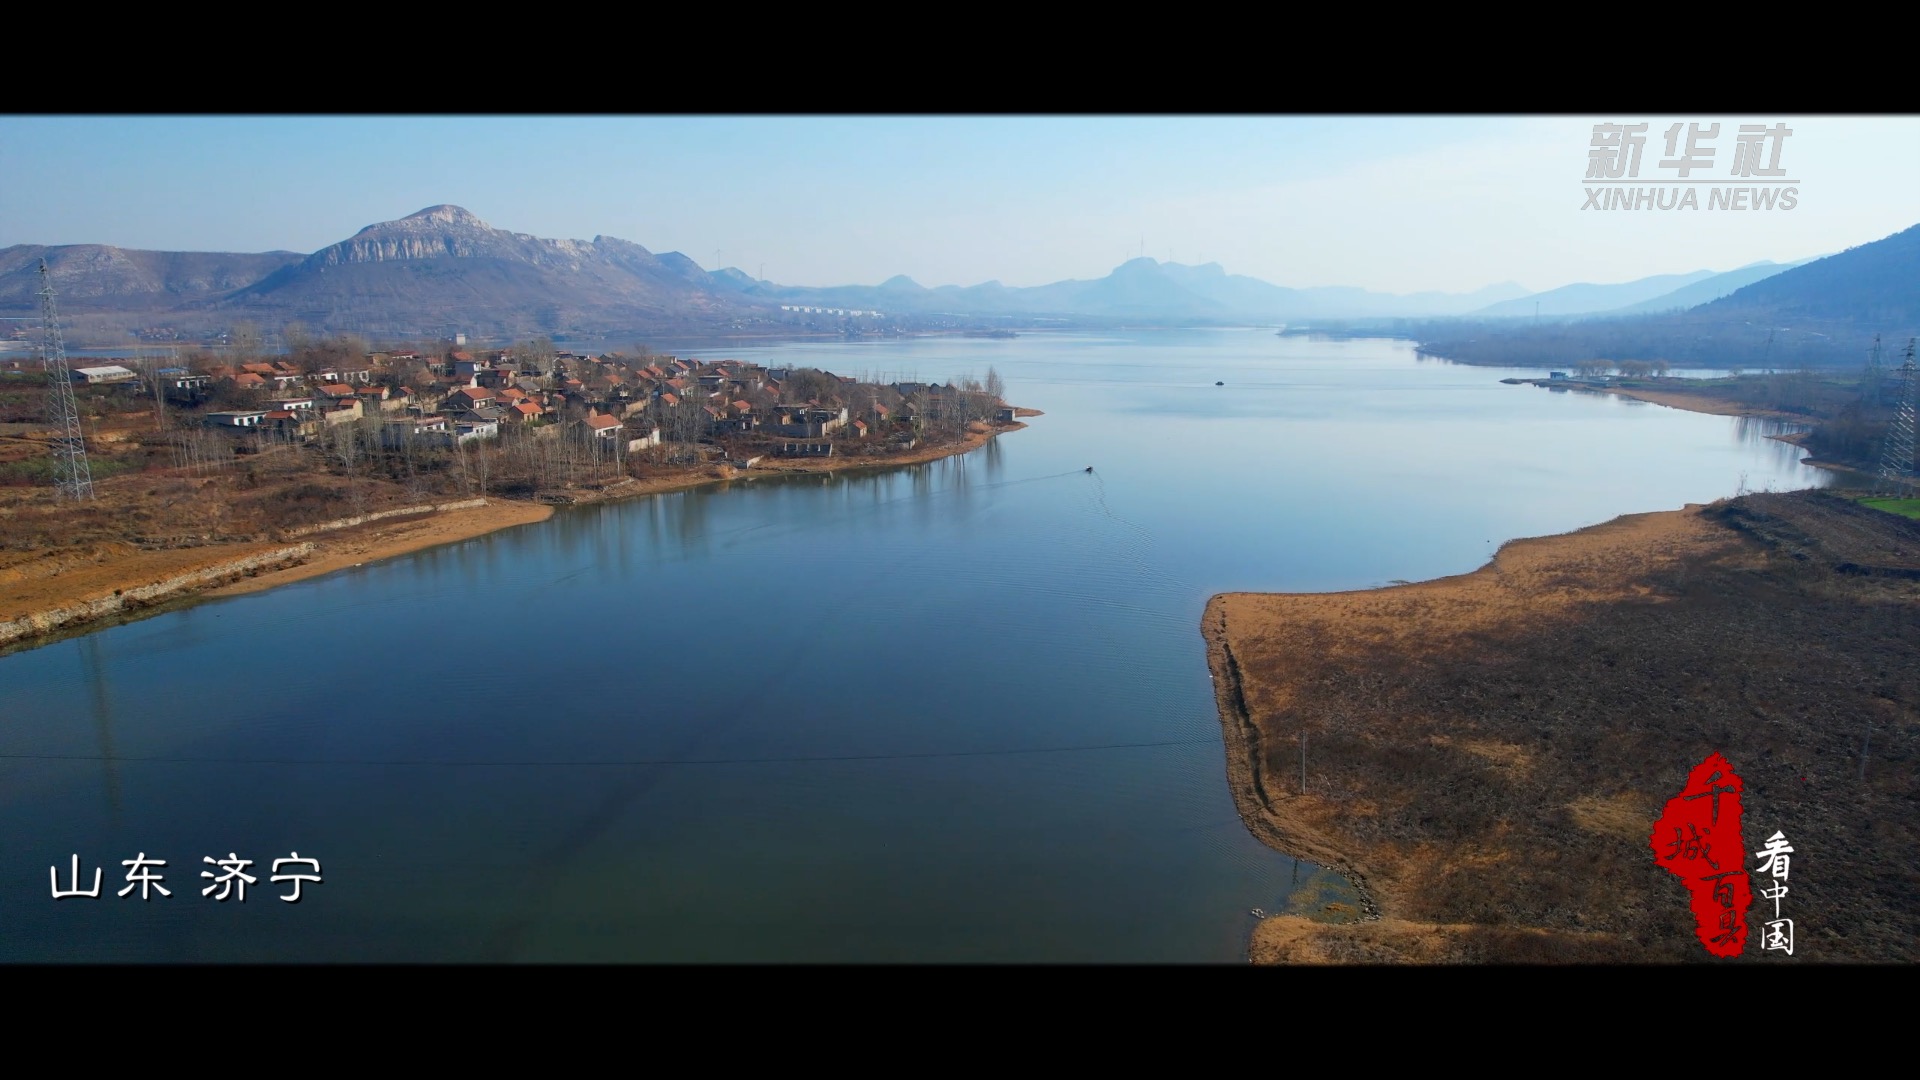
(1877, 282)
(1585, 298)
(92, 275)
(1820, 313)
(444, 266)
(1145, 287)
(1709, 289)
(444, 269)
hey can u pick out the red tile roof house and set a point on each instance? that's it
(604, 426)
(468, 396)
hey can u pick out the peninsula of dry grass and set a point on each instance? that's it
(1487, 754)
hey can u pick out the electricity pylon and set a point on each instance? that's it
(1896, 458)
(72, 478)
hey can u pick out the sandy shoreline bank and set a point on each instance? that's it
(1700, 404)
(1672, 399)
(1266, 811)
(1721, 407)
(62, 595)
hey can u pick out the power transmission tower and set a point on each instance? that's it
(72, 477)
(1896, 459)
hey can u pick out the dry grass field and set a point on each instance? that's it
(1487, 754)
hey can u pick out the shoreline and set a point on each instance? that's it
(1698, 403)
(1722, 407)
(103, 592)
(1265, 818)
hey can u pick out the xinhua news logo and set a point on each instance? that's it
(1688, 180)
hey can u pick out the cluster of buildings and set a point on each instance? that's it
(625, 404)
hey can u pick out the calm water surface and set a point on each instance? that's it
(959, 711)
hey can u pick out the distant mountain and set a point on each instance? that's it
(1585, 299)
(1874, 287)
(444, 268)
(98, 277)
(1708, 289)
(1145, 288)
(1824, 313)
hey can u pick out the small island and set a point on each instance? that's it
(233, 473)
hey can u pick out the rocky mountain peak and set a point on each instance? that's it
(446, 214)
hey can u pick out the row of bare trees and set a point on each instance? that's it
(1633, 369)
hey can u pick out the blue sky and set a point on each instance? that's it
(1395, 204)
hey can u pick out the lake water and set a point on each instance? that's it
(958, 711)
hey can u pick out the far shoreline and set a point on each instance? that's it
(105, 594)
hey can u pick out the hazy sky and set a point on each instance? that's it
(1394, 204)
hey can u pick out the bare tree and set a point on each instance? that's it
(295, 337)
(348, 447)
(482, 464)
(246, 339)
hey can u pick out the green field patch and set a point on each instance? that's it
(1903, 507)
